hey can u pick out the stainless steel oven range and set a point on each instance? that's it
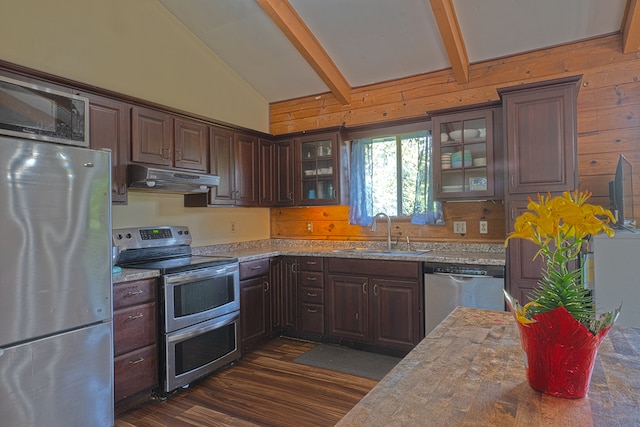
(200, 301)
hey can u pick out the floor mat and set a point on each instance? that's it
(347, 360)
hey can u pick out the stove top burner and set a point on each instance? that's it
(180, 264)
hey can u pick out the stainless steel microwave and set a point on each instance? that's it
(36, 112)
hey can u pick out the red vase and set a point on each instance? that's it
(560, 353)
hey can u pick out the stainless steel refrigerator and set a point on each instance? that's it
(56, 345)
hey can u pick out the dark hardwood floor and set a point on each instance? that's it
(266, 388)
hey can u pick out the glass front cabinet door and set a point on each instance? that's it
(318, 169)
(463, 155)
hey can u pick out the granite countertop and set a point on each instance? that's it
(470, 371)
(489, 254)
(129, 274)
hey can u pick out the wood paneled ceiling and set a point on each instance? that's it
(287, 49)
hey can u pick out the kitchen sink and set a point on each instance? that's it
(382, 251)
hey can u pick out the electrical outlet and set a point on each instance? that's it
(484, 227)
(309, 227)
(460, 227)
(233, 226)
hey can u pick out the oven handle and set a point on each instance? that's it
(201, 273)
(203, 327)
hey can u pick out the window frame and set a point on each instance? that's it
(396, 129)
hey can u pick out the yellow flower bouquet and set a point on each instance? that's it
(559, 330)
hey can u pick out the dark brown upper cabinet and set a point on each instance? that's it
(541, 137)
(317, 169)
(234, 157)
(190, 149)
(157, 140)
(284, 173)
(110, 128)
(267, 174)
(151, 136)
(465, 164)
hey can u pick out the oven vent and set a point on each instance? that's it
(144, 178)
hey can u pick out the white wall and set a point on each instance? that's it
(137, 48)
(209, 226)
(134, 47)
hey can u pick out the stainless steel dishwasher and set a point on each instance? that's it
(450, 285)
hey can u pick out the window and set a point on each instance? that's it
(392, 174)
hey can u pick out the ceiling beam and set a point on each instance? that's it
(451, 35)
(631, 27)
(290, 23)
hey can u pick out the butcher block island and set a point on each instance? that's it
(470, 371)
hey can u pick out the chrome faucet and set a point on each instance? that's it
(373, 227)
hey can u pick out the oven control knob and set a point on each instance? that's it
(119, 237)
(179, 232)
(186, 231)
(128, 235)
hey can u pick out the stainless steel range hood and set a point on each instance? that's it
(146, 178)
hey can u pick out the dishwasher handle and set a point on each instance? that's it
(464, 270)
(453, 276)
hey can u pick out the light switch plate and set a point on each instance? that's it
(460, 227)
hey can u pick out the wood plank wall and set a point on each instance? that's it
(608, 122)
(331, 223)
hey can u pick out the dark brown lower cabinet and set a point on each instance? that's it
(310, 293)
(375, 302)
(135, 336)
(283, 294)
(255, 304)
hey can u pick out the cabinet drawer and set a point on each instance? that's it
(310, 263)
(135, 372)
(378, 268)
(131, 293)
(312, 318)
(310, 279)
(249, 269)
(311, 295)
(134, 327)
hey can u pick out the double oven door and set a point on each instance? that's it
(201, 322)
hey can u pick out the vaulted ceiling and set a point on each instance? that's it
(295, 48)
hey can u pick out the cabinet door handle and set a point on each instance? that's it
(266, 286)
(256, 267)
(135, 362)
(134, 293)
(137, 316)
(311, 278)
(513, 181)
(364, 288)
(312, 294)
(294, 268)
(123, 188)
(178, 155)
(311, 262)
(513, 214)
(166, 153)
(312, 310)
(375, 290)
(291, 196)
